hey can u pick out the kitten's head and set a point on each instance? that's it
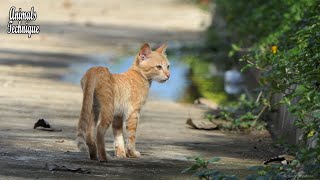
(153, 65)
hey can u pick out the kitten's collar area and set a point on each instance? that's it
(135, 67)
(148, 80)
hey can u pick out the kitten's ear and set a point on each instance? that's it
(162, 48)
(145, 51)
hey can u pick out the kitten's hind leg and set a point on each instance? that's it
(132, 124)
(106, 119)
(91, 144)
(117, 127)
(90, 141)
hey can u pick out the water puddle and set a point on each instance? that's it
(174, 89)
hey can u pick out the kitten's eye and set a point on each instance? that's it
(159, 67)
(168, 67)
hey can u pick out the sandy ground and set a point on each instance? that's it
(82, 26)
(30, 89)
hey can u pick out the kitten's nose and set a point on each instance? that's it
(168, 75)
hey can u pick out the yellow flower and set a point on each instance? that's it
(311, 133)
(274, 49)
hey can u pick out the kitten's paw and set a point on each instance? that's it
(104, 158)
(93, 156)
(103, 161)
(120, 152)
(133, 153)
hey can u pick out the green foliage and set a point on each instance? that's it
(214, 41)
(201, 170)
(275, 171)
(282, 40)
(244, 115)
(210, 117)
(209, 87)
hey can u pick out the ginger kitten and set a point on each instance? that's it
(117, 98)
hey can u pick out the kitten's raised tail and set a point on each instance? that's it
(86, 116)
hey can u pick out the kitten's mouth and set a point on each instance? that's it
(162, 81)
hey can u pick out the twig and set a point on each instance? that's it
(260, 113)
(256, 66)
(259, 96)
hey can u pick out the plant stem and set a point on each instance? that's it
(260, 113)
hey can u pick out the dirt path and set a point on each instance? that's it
(163, 139)
(79, 26)
(30, 89)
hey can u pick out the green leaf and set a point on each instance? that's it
(262, 172)
(255, 168)
(231, 53)
(287, 100)
(235, 47)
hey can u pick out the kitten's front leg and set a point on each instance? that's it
(132, 124)
(119, 149)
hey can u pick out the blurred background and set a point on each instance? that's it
(76, 35)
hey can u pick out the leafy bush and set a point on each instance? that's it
(201, 170)
(281, 38)
(244, 115)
